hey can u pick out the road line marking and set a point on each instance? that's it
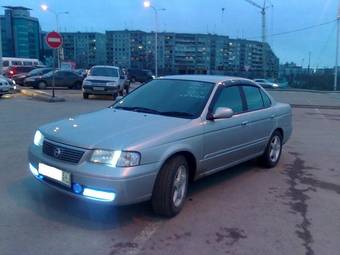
(140, 240)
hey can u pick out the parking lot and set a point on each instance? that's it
(291, 209)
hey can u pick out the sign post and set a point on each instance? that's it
(54, 40)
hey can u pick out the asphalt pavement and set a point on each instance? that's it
(291, 209)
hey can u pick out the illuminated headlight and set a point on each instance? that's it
(275, 85)
(111, 84)
(38, 138)
(87, 83)
(116, 158)
(13, 81)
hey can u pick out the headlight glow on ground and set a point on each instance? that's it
(99, 195)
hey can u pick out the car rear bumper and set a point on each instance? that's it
(100, 90)
(130, 185)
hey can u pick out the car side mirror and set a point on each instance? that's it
(221, 113)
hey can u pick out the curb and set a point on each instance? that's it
(39, 95)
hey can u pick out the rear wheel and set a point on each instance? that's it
(272, 154)
(42, 85)
(85, 95)
(171, 187)
(76, 85)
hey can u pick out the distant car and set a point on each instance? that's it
(137, 75)
(20, 78)
(5, 87)
(14, 70)
(267, 84)
(151, 143)
(104, 80)
(62, 78)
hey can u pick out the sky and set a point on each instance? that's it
(240, 20)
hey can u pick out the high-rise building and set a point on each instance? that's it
(20, 33)
(84, 48)
(184, 53)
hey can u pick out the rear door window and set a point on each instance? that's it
(230, 97)
(266, 100)
(253, 98)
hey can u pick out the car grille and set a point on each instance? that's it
(62, 153)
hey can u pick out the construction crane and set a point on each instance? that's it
(264, 30)
(263, 13)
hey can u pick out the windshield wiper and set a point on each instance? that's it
(177, 114)
(138, 109)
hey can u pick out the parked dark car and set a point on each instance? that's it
(20, 78)
(63, 78)
(14, 70)
(139, 75)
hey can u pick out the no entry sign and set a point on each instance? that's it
(54, 40)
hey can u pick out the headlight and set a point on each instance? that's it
(13, 81)
(87, 83)
(38, 138)
(275, 85)
(111, 83)
(116, 158)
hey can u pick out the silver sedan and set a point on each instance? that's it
(153, 142)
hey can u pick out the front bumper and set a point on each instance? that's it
(100, 90)
(130, 185)
(5, 90)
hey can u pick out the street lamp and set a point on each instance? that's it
(45, 8)
(147, 4)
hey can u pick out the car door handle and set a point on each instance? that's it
(244, 123)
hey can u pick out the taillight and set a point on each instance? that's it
(11, 72)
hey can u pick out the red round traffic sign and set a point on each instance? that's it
(54, 40)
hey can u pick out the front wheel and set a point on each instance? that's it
(171, 187)
(85, 96)
(272, 154)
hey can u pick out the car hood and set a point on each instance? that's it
(102, 78)
(115, 129)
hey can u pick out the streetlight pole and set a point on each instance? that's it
(337, 51)
(147, 4)
(45, 7)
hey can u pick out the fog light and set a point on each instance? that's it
(77, 188)
(34, 171)
(99, 195)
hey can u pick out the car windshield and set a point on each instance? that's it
(104, 71)
(177, 98)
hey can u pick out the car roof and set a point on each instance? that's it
(114, 67)
(205, 78)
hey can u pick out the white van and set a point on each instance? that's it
(7, 62)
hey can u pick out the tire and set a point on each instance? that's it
(272, 154)
(85, 95)
(76, 85)
(114, 95)
(167, 199)
(42, 85)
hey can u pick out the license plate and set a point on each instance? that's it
(98, 88)
(55, 174)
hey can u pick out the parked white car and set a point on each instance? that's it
(5, 87)
(104, 80)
